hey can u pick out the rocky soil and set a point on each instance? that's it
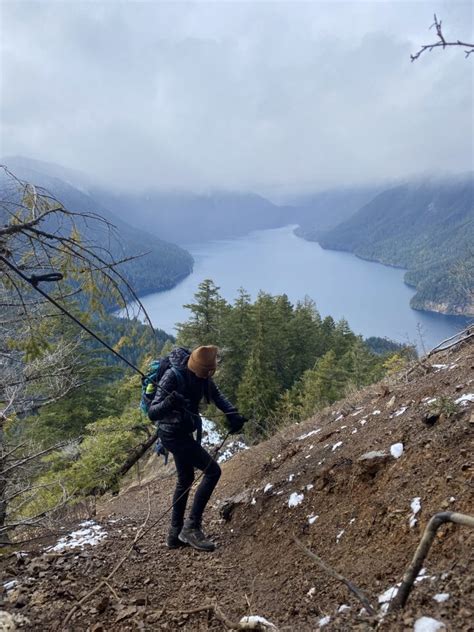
(363, 514)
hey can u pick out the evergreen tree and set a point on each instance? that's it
(207, 312)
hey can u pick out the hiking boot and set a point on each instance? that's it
(173, 541)
(196, 538)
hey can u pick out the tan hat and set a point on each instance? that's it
(203, 361)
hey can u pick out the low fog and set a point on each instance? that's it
(255, 96)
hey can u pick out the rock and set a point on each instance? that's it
(229, 504)
(390, 403)
(7, 622)
(372, 462)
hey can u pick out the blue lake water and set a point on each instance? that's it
(372, 297)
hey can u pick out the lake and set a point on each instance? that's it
(372, 297)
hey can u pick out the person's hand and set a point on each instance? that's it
(236, 422)
(176, 401)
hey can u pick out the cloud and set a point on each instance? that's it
(250, 95)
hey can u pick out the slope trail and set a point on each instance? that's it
(363, 516)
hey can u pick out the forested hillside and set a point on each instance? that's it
(162, 265)
(426, 227)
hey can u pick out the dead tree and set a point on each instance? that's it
(442, 42)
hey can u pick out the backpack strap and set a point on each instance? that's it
(179, 377)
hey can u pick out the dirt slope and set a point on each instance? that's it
(362, 529)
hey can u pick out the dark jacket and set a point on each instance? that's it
(179, 423)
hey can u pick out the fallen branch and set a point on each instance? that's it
(421, 552)
(325, 567)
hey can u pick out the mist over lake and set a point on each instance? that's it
(372, 297)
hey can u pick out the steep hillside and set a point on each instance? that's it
(426, 227)
(163, 265)
(363, 516)
(321, 212)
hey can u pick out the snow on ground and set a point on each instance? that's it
(377, 412)
(255, 622)
(90, 533)
(211, 437)
(339, 535)
(399, 412)
(465, 399)
(324, 621)
(10, 585)
(396, 450)
(441, 597)
(312, 518)
(336, 446)
(295, 499)
(428, 624)
(308, 434)
(415, 507)
(267, 488)
(343, 609)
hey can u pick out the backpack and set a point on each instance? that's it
(156, 370)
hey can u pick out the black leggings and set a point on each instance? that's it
(189, 454)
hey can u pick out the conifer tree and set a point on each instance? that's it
(205, 324)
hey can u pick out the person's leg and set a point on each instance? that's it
(185, 478)
(212, 472)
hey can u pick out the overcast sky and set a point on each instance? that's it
(250, 95)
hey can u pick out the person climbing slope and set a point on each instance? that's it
(175, 407)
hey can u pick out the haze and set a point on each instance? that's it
(255, 96)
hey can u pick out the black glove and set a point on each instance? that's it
(236, 422)
(176, 401)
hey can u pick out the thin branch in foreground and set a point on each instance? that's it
(442, 43)
(335, 575)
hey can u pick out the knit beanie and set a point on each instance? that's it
(203, 361)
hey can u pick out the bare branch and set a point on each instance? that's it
(442, 43)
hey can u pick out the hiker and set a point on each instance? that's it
(175, 407)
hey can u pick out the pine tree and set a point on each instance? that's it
(207, 312)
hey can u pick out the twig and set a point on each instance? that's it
(354, 590)
(442, 42)
(112, 590)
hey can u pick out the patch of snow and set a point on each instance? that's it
(389, 594)
(396, 450)
(377, 412)
(441, 597)
(357, 412)
(399, 412)
(363, 422)
(253, 501)
(354, 431)
(267, 488)
(431, 400)
(312, 518)
(339, 535)
(336, 445)
(439, 367)
(291, 477)
(324, 621)
(309, 486)
(415, 507)
(232, 449)
(210, 434)
(295, 499)
(308, 434)
(343, 609)
(465, 399)
(90, 533)
(452, 499)
(352, 520)
(342, 427)
(9, 585)
(311, 592)
(308, 456)
(339, 418)
(255, 622)
(428, 624)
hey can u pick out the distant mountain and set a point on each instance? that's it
(426, 227)
(187, 218)
(163, 265)
(319, 212)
